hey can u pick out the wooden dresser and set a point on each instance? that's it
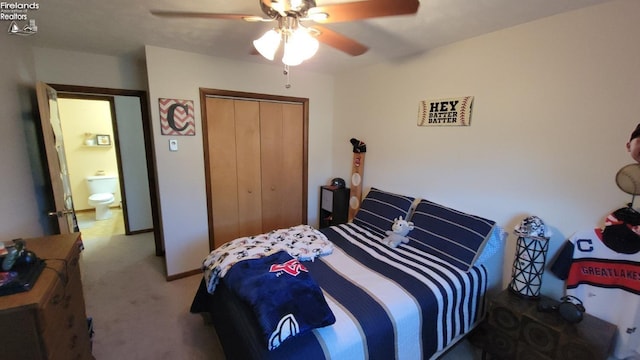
(49, 321)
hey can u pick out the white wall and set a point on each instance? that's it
(134, 162)
(179, 75)
(56, 66)
(555, 103)
(21, 187)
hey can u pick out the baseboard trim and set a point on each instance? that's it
(184, 274)
(136, 232)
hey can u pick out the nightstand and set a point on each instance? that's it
(334, 205)
(515, 329)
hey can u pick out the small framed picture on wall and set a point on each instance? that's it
(103, 139)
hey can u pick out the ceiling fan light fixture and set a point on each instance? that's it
(291, 56)
(296, 4)
(299, 46)
(268, 44)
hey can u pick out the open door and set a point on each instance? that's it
(54, 146)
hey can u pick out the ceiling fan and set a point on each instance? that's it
(300, 41)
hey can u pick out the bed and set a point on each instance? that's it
(410, 302)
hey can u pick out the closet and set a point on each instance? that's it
(256, 164)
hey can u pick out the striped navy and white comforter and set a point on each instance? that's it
(390, 303)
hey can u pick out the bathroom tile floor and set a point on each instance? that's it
(90, 228)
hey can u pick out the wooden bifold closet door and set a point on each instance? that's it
(256, 166)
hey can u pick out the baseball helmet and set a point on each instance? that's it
(338, 182)
(622, 231)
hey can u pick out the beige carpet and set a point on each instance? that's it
(138, 314)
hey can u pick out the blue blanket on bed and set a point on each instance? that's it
(283, 295)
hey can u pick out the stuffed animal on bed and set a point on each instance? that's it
(398, 232)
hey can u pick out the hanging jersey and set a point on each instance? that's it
(608, 284)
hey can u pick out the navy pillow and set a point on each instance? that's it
(379, 209)
(449, 234)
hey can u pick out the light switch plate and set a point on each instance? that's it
(173, 144)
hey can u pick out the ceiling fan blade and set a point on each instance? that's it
(360, 10)
(201, 15)
(339, 41)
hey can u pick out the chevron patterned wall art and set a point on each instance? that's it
(176, 117)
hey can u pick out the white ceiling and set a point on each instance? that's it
(123, 27)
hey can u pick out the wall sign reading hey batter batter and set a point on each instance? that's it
(446, 112)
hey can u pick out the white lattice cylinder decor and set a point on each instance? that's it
(530, 257)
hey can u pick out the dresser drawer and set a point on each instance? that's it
(59, 300)
(73, 342)
(55, 307)
(60, 316)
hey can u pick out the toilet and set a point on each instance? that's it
(101, 194)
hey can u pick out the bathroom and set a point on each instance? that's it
(89, 148)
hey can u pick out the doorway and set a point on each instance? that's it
(88, 126)
(131, 141)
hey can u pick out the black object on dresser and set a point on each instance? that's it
(334, 205)
(516, 329)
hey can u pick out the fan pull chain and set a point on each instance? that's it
(286, 73)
